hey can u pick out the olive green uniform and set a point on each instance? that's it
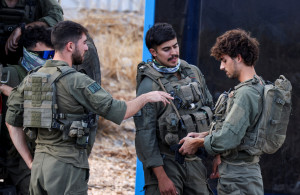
(188, 178)
(59, 167)
(50, 12)
(239, 171)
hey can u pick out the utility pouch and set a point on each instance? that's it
(76, 129)
(171, 136)
(188, 122)
(79, 130)
(31, 133)
(201, 121)
(82, 142)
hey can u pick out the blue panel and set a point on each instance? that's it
(148, 22)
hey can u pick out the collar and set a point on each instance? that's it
(164, 69)
(53, 63)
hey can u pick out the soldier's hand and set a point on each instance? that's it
(215, 171)
(167, 187)
(199, 135)
(12, 41)
(159, 96)
(190, 145)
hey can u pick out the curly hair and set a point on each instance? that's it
(234, 42)
(158, 34)
(35, 34)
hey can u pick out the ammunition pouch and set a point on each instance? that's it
(79, 130)
(173, 129)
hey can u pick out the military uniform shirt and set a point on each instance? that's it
(75, 93)
(241, 116)
(148, 143)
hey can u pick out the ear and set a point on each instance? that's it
(153, 52)
(70, 46)
(239, 58)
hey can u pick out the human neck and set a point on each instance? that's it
(246, 73)
(11, 3)
(63, 57)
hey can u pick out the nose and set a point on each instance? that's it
(222, 66)
(174, 51)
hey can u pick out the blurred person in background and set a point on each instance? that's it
(16, 16)
(37, 49)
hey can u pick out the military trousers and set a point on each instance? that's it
(188, 178)
(51, 176)
(240, 179)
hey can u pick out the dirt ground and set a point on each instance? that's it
(118, 38)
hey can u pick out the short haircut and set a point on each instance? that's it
(158, 34)
(66, 31)
(234, 42)
(35, 34)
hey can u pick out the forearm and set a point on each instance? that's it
(37, 23)
(5, 89)
(18, 138)
(135, 105)
(159, 173)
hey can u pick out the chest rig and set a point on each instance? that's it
(189, 111)
(11, 18)
(41, 109)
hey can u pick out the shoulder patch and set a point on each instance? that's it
(94, 87)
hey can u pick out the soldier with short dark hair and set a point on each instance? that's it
(37, 49)
(160, 128)
(57, 104)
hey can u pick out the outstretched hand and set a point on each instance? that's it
(12, 41)
(159, 96)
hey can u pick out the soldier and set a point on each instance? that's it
(57, 105)
(160, 128)
(238, 169)
(16, 15)
(37, 48)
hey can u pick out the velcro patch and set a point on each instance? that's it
(94, 87)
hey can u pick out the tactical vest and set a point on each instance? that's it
(41, 110)
(11, 18)
(268, 131)
(190, 111)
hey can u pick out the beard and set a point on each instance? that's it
(235, 72)
(77, 59)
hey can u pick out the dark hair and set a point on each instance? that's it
(35, 34)
(66, 31)
(158, 34)
(234, 42)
